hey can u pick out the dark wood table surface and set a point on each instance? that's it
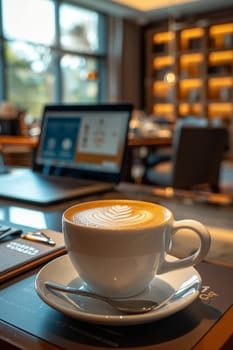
(183, 206)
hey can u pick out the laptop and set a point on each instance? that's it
(81, 151)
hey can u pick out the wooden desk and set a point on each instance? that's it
(18, 141)
(136, 141)
(132, 142)
(18, 150)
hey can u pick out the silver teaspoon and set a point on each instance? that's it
(129, 306)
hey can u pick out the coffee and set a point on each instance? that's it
(123, 214)
(118, 246)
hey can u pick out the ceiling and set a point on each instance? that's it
(148, 10)
(150, 5)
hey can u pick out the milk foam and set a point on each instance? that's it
(116, 216)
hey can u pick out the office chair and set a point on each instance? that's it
(196, 161)
(166, 153)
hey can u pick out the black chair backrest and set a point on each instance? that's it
(198, 156)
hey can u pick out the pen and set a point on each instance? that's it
(38, 236)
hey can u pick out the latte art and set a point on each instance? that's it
(116, 216)
(119, 214)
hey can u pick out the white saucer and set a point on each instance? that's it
(61, 270)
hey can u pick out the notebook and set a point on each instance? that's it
(19, 255)
(81, 150)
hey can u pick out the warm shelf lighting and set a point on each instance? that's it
(191, 58)
(220, 108)
(163, 37)
(221, 57)
(221, 29)
(187, 34)
(160, 62)
(190, 83)
(165, 108)
(161, 86)
(186, 108)
(219, 82)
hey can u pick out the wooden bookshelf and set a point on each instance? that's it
(189, 69)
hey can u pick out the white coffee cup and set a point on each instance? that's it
(118, 246)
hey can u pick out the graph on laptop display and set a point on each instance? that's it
(83, 140)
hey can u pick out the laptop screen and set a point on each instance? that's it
(83, 140)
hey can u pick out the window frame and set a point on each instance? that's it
(59, 51)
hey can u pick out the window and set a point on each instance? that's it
(79, 78)
(51, 51)
(79, 29)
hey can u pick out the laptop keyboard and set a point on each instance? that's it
(63, 183)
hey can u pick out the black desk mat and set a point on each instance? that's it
(21, 307)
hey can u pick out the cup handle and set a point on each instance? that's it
(197, 256)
